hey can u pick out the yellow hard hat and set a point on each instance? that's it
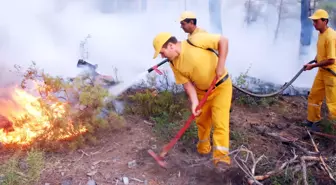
(319, 14)
(187, 15)
(159, 40)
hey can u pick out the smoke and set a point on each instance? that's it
(50, 32)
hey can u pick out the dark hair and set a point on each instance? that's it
(323, 19)
(170, 40)
(189, 20)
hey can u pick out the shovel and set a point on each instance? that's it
(160, 158)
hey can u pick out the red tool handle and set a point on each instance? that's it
(167, 147)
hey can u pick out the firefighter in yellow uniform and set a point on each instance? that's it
(324, 85)
(195, 68)
(188, 23)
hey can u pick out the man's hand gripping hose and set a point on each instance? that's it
(160, 158)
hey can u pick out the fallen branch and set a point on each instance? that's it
(321, 158)
(304, 171)
(97, 152)
(273, 172)
(84, 153)
(291, 142)
(324, 134)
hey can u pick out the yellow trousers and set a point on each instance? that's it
(216, 113)
(324, 86)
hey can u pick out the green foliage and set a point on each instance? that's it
(13, 174)
(328, 126)
(239, 137)
(166, 128)
(281, 179)
(148, 105)
(71, 108)
(169, 109)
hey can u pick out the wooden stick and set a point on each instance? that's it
(321, 158)
(282, 139)
(304, 171)
(273, 172)
(324, 134)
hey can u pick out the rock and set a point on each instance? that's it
(106, 175)
(67, 181)
(132, 164)
(281, 125)
(260, 128)
(91, 182)
(2, 178)
(125, 180)
(92, 173)
(23, 165)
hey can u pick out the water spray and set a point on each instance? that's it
(116, 87)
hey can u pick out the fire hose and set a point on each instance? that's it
(285, 86)
(155, 68)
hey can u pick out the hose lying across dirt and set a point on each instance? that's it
(261, 95)
(285, 86)
(281, 89)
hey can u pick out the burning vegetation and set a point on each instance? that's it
(46, 110)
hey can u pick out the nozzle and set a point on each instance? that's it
(83, 63)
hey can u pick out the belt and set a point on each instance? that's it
(327, 69)
(219, 82)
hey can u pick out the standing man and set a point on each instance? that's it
(188, 23)
(195, 68)
(324, 85)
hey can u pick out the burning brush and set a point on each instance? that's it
(5, 124)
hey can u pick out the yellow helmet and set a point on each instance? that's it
(159, 40)
(319, 14)
(186, 15)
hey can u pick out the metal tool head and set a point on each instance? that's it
(83, 63)
(106, 81)
(158, 158)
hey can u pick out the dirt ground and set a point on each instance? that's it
(123, 153)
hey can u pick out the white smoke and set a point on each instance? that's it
(49, 33)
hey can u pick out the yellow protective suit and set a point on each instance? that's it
(216, 113)
(198, 66)
(324, 85)
(197, 30)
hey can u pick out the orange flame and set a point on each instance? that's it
(21, 104)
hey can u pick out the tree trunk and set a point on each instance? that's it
(306, 26)
(279, 20)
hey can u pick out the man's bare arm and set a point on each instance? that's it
(324, 63)
(223, 47)
(191, 92)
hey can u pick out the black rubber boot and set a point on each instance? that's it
(315, 127)
(308, 123)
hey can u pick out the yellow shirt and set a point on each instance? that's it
(326, 47)
(197, 30)
(195, 64)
